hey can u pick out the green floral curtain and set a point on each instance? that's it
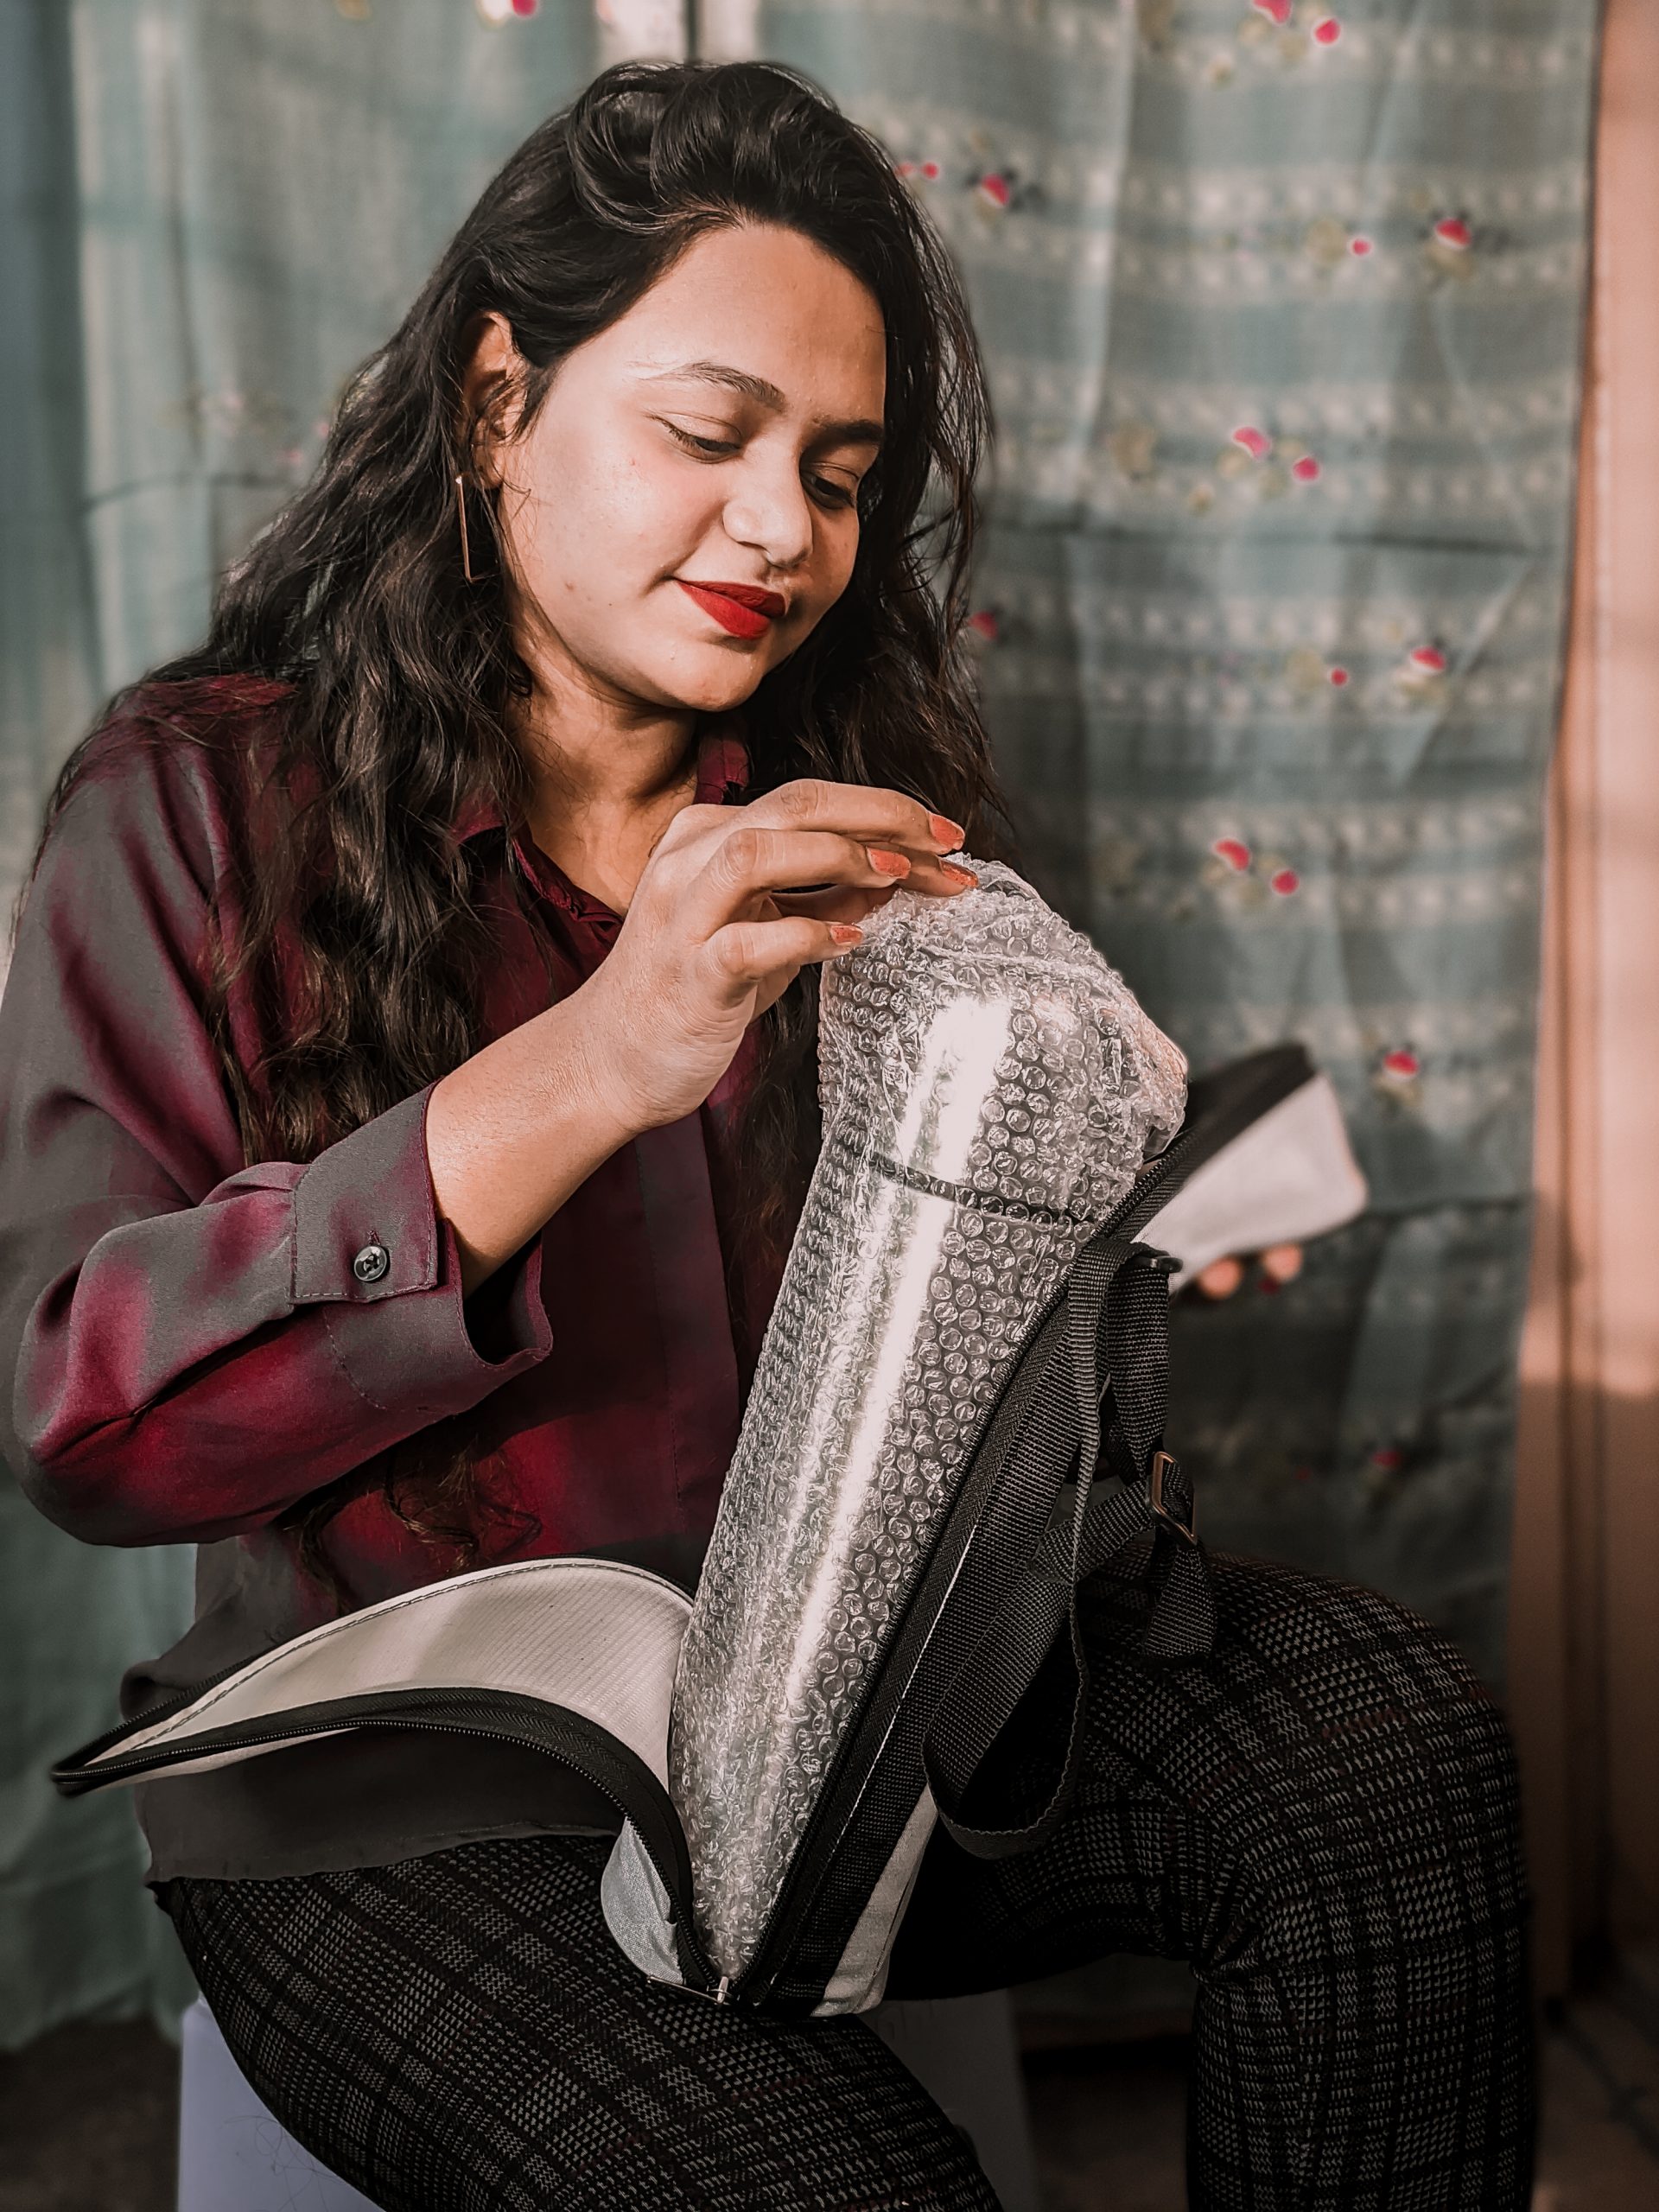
(1282, 310)
(1282, 305)
(212, 210)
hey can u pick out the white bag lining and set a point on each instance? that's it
(597, 1637)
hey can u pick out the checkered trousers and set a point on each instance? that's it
(1321, 1818)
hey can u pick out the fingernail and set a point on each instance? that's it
(846, 933)
(961, 875)
(1282, 1263)
(887, 863)
(947, 835)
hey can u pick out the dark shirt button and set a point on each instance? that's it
(371, 1263)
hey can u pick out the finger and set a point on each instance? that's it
(753, 862)
(745, 954)
(924, 873)
(697, 824)
(936, 878)
(840, 904)
(1283, 1262)
(865, 812)
(1220, 1278)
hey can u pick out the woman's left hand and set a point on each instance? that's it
(1281, 1263)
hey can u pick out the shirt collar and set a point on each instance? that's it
(722, 768)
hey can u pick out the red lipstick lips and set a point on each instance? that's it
(741, 610)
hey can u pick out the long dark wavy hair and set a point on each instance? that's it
(404, 679)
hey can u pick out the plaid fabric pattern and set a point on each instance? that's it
(1322, 1818)
(459, 2033)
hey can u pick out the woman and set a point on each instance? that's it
(408, 1057)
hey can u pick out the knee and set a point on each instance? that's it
(1386, 1757)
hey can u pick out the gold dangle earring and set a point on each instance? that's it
(461, 512)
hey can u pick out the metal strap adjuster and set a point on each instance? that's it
(1166, 1468)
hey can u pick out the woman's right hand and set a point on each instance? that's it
(719, 927)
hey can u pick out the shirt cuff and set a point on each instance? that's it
(367, 1236)
(365, 1221)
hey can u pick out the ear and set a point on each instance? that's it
(491, 384)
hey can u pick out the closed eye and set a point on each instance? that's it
(826, 490)
(712, 448)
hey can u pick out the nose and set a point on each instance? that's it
(768, 509)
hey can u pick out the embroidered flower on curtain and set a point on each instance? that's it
(1263, 464)
(1449, 250)
(1398, 1071)
(1277, 31)
(1253, 879)
(1419, 680)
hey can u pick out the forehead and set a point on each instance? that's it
(769, 304)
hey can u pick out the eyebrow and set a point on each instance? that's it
(860, 432)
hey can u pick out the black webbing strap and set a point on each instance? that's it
(1156, 1488)
(573, 1739)
(1099, 1407)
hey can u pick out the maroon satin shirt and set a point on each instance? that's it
(198, 1343)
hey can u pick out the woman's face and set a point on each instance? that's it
(714, 436)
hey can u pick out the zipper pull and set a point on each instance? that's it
(723, 1994)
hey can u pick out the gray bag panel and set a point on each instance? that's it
(637, 1910)
(596, 1638)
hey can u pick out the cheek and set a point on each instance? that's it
(607, 520)
(838, 554)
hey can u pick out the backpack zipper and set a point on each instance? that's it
(716, 1987)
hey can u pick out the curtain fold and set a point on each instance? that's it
(78, 1934)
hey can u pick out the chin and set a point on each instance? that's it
(718, 688)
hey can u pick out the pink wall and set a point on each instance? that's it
(1585, 1617)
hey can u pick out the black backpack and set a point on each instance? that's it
(576, 1657)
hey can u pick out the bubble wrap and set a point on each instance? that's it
(989, 1088)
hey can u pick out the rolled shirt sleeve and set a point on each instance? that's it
(195, 1344)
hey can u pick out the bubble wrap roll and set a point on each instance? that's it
(989, 1088)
